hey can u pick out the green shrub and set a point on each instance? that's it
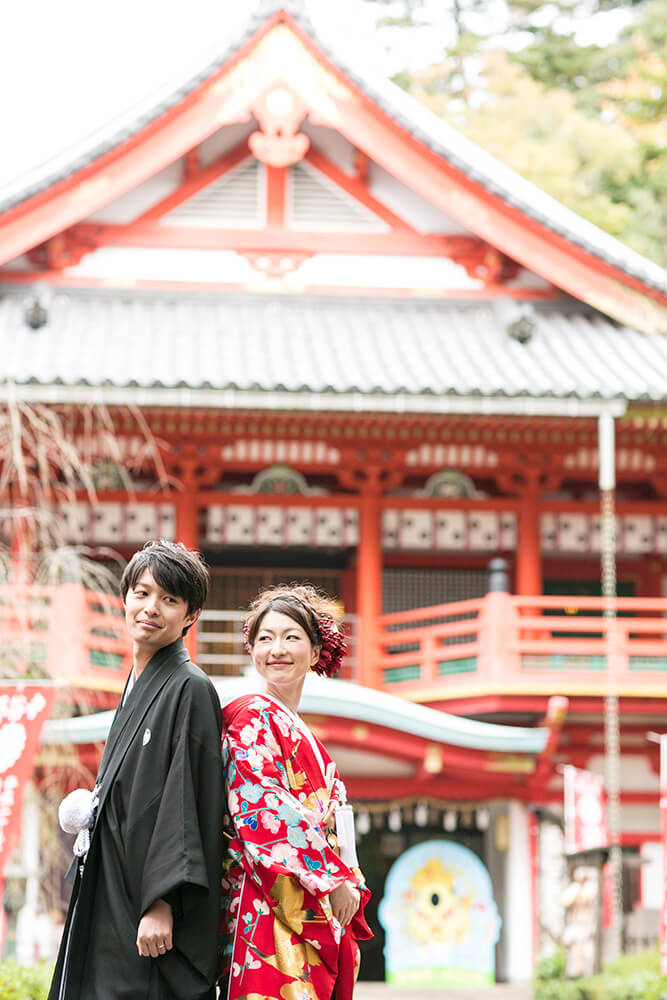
(550, 966)
(554, 989)
(19, 982)
(631, 977)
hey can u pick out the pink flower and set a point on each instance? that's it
(248, 734)
(269, 821)
(283, 723)
(286, 855)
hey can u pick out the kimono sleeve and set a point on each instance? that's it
(184, 848)
(274, 830)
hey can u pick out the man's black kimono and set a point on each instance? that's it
(157, 834)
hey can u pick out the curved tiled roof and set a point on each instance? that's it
(314, 345)
(426, 127)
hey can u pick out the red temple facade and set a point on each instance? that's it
(338, 342)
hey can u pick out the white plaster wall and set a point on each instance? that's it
(651, 874)
(137, 201)
(331, 144)
(518, 915)
(635, 771)
(640, 819)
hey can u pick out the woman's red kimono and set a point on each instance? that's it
(281, 938)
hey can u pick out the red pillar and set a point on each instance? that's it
(369, 585)
(187, 532)
(529, 560)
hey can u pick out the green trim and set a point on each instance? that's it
(647, 662)
(466, 665)
(394, 675)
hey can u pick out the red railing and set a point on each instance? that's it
(63, 632)
(514, 644)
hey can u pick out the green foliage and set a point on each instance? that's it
(18, 982)
(550, 966)
(632, 977)
(587, 124)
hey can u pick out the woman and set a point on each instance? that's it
(292, 907)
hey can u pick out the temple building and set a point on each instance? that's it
(298, 322)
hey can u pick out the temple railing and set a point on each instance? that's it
(509, 644)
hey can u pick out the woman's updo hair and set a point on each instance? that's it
(316, 613)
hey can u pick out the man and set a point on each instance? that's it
(143, 920)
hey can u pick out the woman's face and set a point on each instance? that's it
(282, 652)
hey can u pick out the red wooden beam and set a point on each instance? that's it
(279, 239)
(276, 182)
(194, 180)
(358, 188)
(523, 239)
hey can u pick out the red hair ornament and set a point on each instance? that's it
(332, 649)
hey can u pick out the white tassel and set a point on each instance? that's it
(76, 814)
(345, 834)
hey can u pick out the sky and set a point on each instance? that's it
(69, 68)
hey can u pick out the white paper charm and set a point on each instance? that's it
(347, 846)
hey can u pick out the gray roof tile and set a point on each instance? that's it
(319, 344)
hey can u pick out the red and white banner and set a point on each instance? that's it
(663, 832)
(23, 711)
(585, 811)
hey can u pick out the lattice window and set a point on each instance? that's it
(405, 589)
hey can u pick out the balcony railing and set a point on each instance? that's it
(514, 644)
(63, 632)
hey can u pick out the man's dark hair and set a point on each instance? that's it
(174, 568)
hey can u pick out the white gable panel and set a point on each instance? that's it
(331, 144)
(316, 203)
(223, 141)
(235, 199)
(137, 201)
(409, 205)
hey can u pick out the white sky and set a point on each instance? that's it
(68, 68)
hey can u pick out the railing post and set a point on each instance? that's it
(496, 630)
(68, 646)
(427, 656)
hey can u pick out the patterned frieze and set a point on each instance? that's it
(580, 533)
(118, 524)
(449, 530)
(322, 527)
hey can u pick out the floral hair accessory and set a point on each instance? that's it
(333, 646)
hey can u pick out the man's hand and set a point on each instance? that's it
(345, 901)
(155, 934)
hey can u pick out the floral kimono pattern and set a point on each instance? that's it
(280, 937)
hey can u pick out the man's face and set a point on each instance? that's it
(155, 618)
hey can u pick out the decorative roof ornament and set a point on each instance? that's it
(450, 483)
(280, 111)
(280, 479)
